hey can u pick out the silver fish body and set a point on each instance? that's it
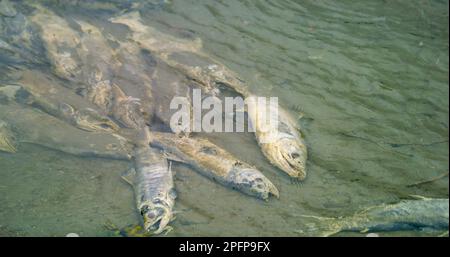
(405, 215)
(424, 214)
(154, 189)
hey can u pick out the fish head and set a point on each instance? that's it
(289, 154)
(253, 182)
(280, 139)
(157, 216)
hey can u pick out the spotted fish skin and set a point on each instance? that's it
(217, 164)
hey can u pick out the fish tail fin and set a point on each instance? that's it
(320, 226)
(7, 138)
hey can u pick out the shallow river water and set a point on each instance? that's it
(367, 80)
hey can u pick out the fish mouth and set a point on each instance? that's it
(290, 157)
(154, 226)
(156, 217)
(253, 182)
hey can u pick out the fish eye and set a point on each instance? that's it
(144, 209)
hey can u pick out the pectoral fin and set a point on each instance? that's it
(129, 176)
(173, 157)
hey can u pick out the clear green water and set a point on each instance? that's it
(370, 79)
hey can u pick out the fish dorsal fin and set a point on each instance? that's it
(119, 95)
(129, 176)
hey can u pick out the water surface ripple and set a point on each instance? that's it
(368, 78)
